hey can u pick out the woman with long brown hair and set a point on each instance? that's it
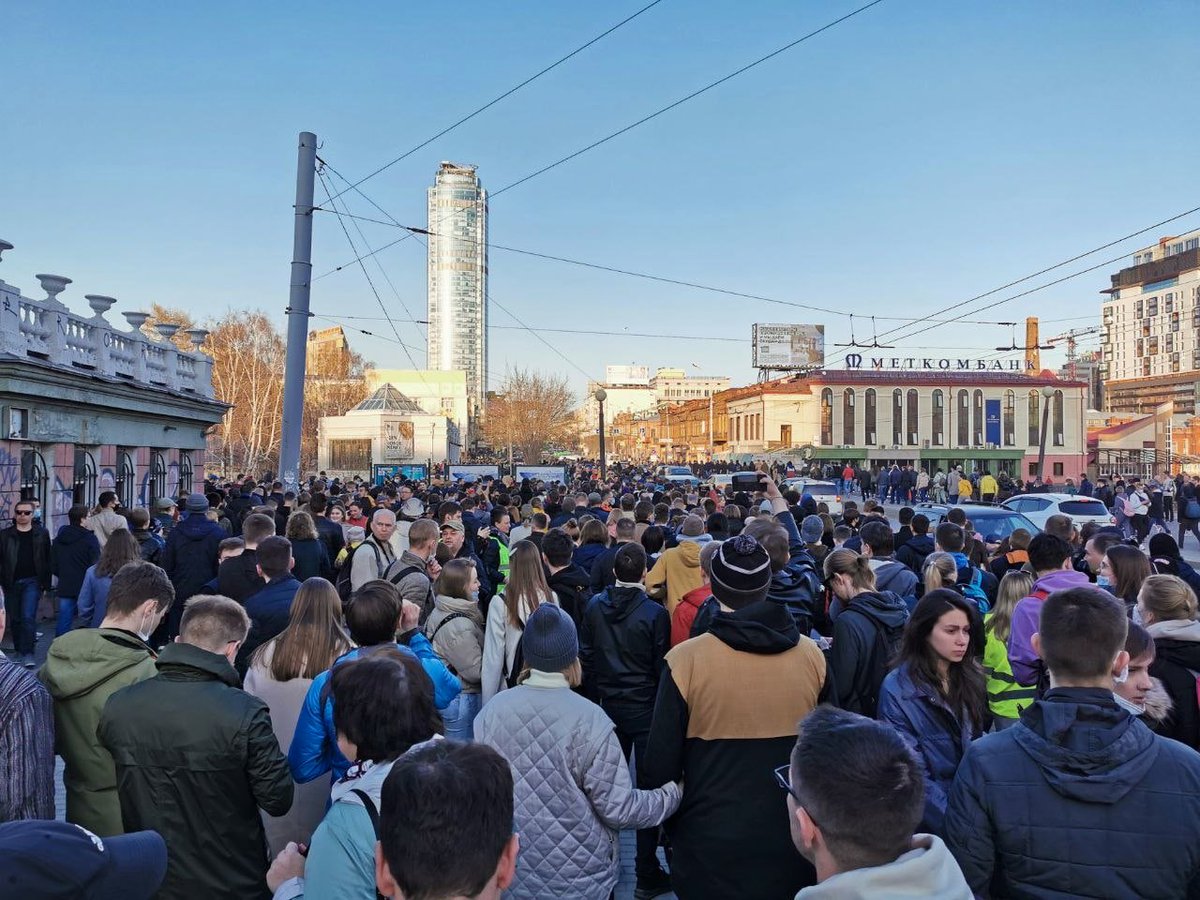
(308, 550)
(507, 614)
(121, 548)
(280, 673)
(1123, 571)
(936, 696)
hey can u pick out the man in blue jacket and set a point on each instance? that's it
(373, 615)
(1079, 798)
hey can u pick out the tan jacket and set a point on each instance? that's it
(676, 572)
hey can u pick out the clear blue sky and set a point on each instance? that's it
(916, 155)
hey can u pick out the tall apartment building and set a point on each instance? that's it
(1150, 337)
(457, 278)
(328, 353)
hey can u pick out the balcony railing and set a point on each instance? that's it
(47, 330)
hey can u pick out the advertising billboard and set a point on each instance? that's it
(626, 374)
(779, 346)
(473, 473)
(542, 473)
(411, 472)
(397, 441)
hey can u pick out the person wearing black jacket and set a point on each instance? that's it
(190, 557)
(622, 646)
(913, 552)
(454, 539)
(866, 633)
(238, 577)
(24, 575)
(197, 759)
(75, 548)
(329, 532)
(570, 583)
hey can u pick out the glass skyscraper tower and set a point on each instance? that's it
(457, 292)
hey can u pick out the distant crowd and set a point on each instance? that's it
(458, 690)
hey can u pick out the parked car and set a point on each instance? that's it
(721, 481)
(993, 522)
(677, 475)
(1040, 507)
(822, 491)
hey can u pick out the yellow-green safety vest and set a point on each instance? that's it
(1006, 697)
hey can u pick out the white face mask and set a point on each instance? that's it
(1136, 616)
(146, 628)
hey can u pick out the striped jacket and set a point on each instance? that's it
(26, 746)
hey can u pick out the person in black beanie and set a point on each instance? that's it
(726, 712)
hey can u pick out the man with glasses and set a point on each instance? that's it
(196, 758)
(857, 828)
(24, 575)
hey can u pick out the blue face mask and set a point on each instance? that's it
(1103, 581)
(37, 514)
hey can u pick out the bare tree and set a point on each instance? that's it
(533, 412)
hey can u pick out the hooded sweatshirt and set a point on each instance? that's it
(83, 669)
(913, 551)
(1076, 779)
(1176, 658)
(685, 613)
(866, 633)
(676, 572)
(927, 871)
(73, 551)
(622, 645)
(1026, 665)
(894, 576)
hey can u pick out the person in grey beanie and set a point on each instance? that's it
(811, 530)
(571, 784)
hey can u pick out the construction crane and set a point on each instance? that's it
(1071, 338)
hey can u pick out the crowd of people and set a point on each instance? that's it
(450, 689)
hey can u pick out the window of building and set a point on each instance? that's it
(977, 409)
(84, 488)
(897, 417)
(158, 478)
(1056, 414)
(350, 455)
(1010, 418)
(1058, 469)
(939, 418)
(187, 474)
(34, 476)
(125, 484)
(827, 417)
(964, 419)
(1034, 419)
(869, 416)
(848, 419)
(913, 430)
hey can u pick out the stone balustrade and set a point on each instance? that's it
(46, 329)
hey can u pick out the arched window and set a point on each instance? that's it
(939, 418)
(964, 419)
(912, 417)
(84, 489)
(827, 417)
(1035, 415)
(897, 417)
(1010, 418)
(158, 478)
(869, 416)
(1056, 415)
(187, 474)
(125, 485)
(848, 419)
(34, 478)
(977, 409)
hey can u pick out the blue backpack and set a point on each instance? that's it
(973, 590)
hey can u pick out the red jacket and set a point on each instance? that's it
(685, 613)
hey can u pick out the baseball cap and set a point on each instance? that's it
(45, 860)
(454, 525)
(164, 504)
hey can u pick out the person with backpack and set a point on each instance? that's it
(973, 582)
(383, 707)
(1050, 559)
(866, 632)
(455, 629)
(569, 582)
(936, 696)
(914, 550)
(526, 590)
(890, 575)
(373, 617)
(1167, 608)
(494, 548)
(375, 556)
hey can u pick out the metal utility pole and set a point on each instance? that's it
(297, 336)
(601, 395)
(1047, 394)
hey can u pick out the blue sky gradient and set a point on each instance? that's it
(916, 155)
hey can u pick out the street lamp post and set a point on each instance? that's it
(1047, 393)
(600, 396)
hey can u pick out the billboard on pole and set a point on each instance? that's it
(779, 346)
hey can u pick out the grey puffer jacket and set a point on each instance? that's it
(572, 788)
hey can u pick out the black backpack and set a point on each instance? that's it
(342, 583)
(883, 650)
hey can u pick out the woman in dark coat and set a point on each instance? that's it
(311, 559)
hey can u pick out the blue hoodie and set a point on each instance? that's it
(314, 749)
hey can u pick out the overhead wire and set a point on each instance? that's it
(643, 120)
(508, 93)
